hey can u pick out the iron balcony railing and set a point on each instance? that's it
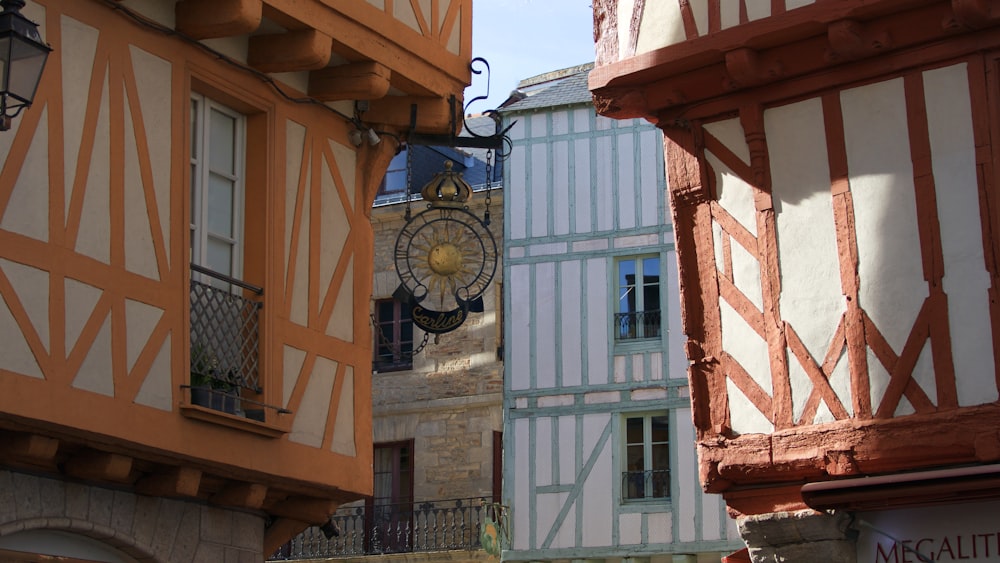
(637, 324)
(225, 331)
(646, 484)
(444, 525)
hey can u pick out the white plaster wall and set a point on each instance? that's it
(650, 179)
(881, 175)
(521, 503)
(597, 495)
(583, 187)
(519, 284)
(735, 195)
(343, 430)
(625, 183)
(685, 472)
(597, 322)
(812, 300)
(544, 329)
(571, 321)
(560, 189)
(966, 280)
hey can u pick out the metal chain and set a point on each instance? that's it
(383, 340)
(489, 185)
(409, 180)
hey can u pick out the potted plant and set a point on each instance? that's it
(208, 387)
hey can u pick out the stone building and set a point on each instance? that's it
(832, 169)
(186, 264)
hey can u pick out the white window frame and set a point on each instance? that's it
(647, 453)
(640, 297)
(201, 143)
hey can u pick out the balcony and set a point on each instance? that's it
(637, 324)
(652, 484)
(224, 343)
(380, 529)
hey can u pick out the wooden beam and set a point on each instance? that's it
(173, 482)
(293, 51)
(434, 115)
(243, 495)
(100, 466)
(354, 81)
(204, 19)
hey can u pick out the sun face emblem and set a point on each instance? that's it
(445, 255)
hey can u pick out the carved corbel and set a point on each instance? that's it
(851, 39)
(747, 67)
(205, 19)
(976, 14)
(305, 49)
(100, 466)
(172, 482)
(354, 81)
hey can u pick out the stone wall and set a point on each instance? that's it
(140, 527)
(451, 402)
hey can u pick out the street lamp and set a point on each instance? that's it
(22, 59)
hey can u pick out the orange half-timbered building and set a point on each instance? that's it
(186, 262)
(832, 168)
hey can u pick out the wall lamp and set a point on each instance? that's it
(358, 136)
(22, 60)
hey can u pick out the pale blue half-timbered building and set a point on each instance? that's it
(599, 455)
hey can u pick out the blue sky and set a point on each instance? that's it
(524, 38)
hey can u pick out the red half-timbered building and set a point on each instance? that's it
(832, 168)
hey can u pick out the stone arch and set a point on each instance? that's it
(105, 539)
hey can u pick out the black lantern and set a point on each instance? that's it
(22, 59)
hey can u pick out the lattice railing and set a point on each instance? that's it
(637, 324)
(444, 525)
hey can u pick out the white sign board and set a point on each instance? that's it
(965, 532)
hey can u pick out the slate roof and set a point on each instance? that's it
(552, 90)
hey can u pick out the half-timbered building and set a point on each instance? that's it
(832, 170)
(186, 263)
(599, 462)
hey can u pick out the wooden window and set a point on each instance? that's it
(637, 313)
(217, 172)
(393, 335)
(647, 457)
(390, 510)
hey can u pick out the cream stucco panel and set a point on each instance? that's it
(81, 298)
(403, 12)
(341, 323)
(346, 159)
(77, 67)
(31, 287)
(140, 319)
(662, 25)
(300, 286)
(343, 430)
(295, 139)
(597, 495)
(14, 350)
(310, 419)
(334, 228)
(94, 238)
(157, 389)
(95, 373)
(27, 210)
(292, 362)
(140, 255)
(881, 176)
(153, 84)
